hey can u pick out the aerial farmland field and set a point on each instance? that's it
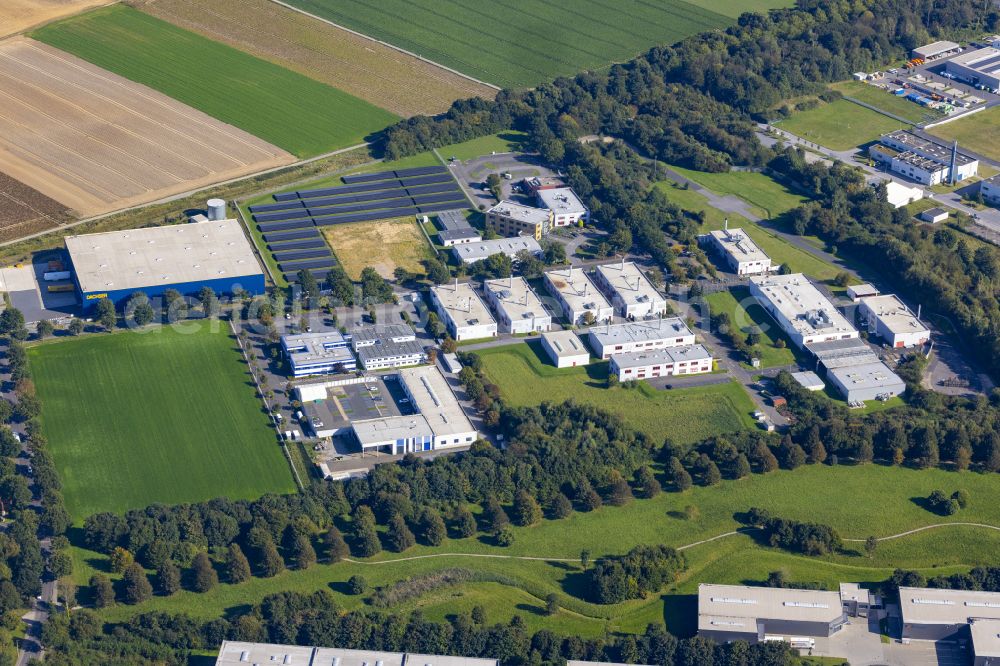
(18, 15)
(96, 142)
(290, 110)
(163, 415)
(516, 44)
(376, 73)
(25, 210)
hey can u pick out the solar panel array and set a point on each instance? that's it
(289, 225)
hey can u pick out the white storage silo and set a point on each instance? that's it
(216, 209)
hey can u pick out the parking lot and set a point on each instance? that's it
(472, 173)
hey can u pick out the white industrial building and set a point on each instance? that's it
(934, 215)
(470, 253)
(389, 354)
(455, 228)
(861, 383)
(809, 380)
(317, 353)
(742, 255)
(672, 361)
(640, 336)
(632, 294)
(803, 313)
(463, 312)
(393, 434)
(756, 614)
(233, 653)
(565, 349)
(858, 291)
(510, 218)
(890, 319)
(935, 50)
(566, 207)
(577, 295)
(990, 190)
(936, 614)
(518, 308)
(923, 160)
(900, 195)
(980, 67)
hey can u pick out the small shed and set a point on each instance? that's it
(859, 291)
(934, 215)
(808, 380)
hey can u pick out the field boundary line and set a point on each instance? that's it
(391, 46)
(182, 195)
(872, 107)
(925, 528)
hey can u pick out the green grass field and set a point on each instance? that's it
(685, 415)
(840, 125)
(290, 110)
(162, 415)
(505, 142)
(862, 501)
(769, 197)
(980, 132)
(747, 314)
(526, 43)
(886, 101)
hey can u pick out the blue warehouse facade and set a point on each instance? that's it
(183, 257)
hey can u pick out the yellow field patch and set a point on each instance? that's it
(383, 245)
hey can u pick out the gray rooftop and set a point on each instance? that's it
(854, 592)
(940, 152)
(644, 331)
(433, 397)
(934, 212)
(893, 314)
(565, 343)
(452, 219)
(808, 379)
(307, 348)
(390, 428)
(737, 608)
(172, 254)
(261, 654)
(802, 304)
(470, 252)
(241, 654)
(372, 334)
(577, 289)
(843, 353)
(738, 244)
(521, 213)
(642, 359)
(517, 299)
(462, 304)
(934, 48)
(388, 349)
(939, 606)
(459, 234)
(985, 60)
(561, 201)
(631, 285)
(873, 375)
(985, 637)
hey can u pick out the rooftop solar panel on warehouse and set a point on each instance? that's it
(285, 226)
(368, 177)
(420, 171)
(292, 255)
(281, 215)
(298, 234)
(269, 208)
(444, 205)
(297, 245)
(295, 266)
(426, 180)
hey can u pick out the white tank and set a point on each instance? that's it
(216, 209)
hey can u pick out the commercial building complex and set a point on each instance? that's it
(870, 381)
(387, 346)
(803, 313)
(755, 614)
(686, 360)
(980, 67)
(183, 257)
(463, 312)
(510, 218)
(566, 207)
(233, 653)
(470, 253)
(640, 336)
(565, 349)
(923, 160)
(738, 250)
(577, 295)
(518, 308)
(317, 353)
(632, 294)
(990, 190)
(455, 229)
(940, 614)
(890, 319)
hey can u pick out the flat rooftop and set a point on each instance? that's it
(317, 347)
(172, 254)
(565, 343)
(520, 212)
(934, 212)
(561, 200)
(452, 219)
(391, 428)
(380, 332)
(863, 290)
(737, 607)
(738, 244)
(387, 349)
(459, 234)
(808, 380)
(631, 285)
(517, 299)
(640, 331)
(463, 304)
(241, 654)
(260, 654)
(854, 592)
(985, 60)
(470, 252)
(642, 359)
(577, 289)
(867, 376)
(934, 48)
(843, 353)
(985, 637)
(893, 314)
(941, 152)
(434, 399)
(439, 660)
(801, 303)
(920, 605)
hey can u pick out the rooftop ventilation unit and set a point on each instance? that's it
(732, 600)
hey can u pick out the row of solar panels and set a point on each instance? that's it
(392, 212)
(412, 206)
(318, 273)
(399, 196)
(365, 187)
(398, 173)
(259, 212)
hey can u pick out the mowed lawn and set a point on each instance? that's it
(522, 44)
(839, 125)
(508, 141)
(979, 132)
(288, 109)
(159, 416)
(685, 415)
(886, 101)
(747, 315)
(769, 197)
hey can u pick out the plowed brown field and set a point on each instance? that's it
(25, 211)
(380, 75)
(97, 142)
(18, 15)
